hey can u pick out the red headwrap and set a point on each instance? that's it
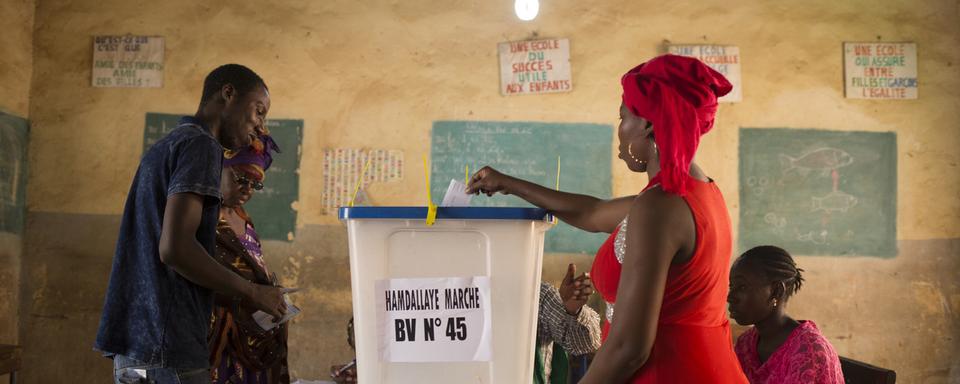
(679, 96)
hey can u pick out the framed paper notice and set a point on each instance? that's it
(535, 66)
(127, 62)
(880, 70)
(722, 58)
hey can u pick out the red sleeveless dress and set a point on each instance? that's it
(693, 343)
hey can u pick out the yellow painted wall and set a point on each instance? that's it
(16, 66)
(16, 62)
(378, 73)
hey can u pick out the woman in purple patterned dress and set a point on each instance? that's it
(241, 352)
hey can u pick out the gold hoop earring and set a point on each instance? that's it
(632, 156)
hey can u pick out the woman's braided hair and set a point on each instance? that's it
(778, 266)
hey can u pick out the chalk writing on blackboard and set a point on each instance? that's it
(818, 192)
(529, 151)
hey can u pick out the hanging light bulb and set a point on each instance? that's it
(526, 9)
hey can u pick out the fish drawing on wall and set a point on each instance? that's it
(822, 159)
(835, 201)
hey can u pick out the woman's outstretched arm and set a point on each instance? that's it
(585, 212)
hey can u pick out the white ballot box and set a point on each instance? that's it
(455, 302)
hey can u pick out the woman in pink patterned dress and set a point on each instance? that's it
(778, 349)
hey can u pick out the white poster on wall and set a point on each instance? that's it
(127, 62)
(880, 70)
(535, 66)
(434, 319)
(722, 58)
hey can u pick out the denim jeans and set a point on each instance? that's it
(130, 371)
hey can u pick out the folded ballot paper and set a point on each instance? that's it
(265, 321)
(456, 195)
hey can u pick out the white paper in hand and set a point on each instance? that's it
(456, 195)
(265, 321)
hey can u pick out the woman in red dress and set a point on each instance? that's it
(664, 270)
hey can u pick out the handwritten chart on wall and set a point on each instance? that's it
(272, 208)
(528, 151)
(817, 192)
(13, 172)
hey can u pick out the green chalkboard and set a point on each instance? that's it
(157, 126)
(13, 172)
(816, 192)
(272, 208)
(529, 151)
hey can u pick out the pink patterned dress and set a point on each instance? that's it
(806, 357)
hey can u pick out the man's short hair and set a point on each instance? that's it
(242, 78)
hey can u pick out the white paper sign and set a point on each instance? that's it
(535, 66)
(880, 70)
(127, 62)
(722, 58)
(434, 319)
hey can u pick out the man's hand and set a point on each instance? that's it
(180, 250)
(347, 376)
(268, 299)
(574, 291)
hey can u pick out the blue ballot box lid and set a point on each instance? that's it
(461, 213)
